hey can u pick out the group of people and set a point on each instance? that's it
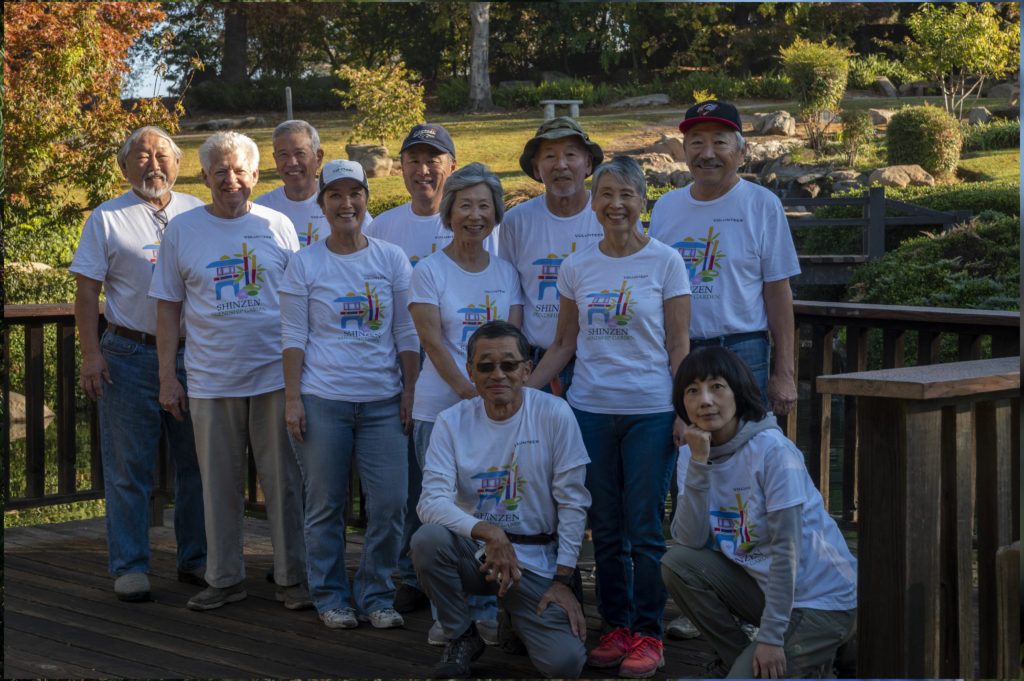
(498, 380)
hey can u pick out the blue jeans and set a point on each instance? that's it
(631, 460)
(131, 425)
(337, 432)
(564, 376)
(754, 349)
(480, 607)
(412, 519)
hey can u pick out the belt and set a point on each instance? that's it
(137, 336)
(731, 338)
(542, 538)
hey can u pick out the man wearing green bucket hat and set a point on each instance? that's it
(538, 234)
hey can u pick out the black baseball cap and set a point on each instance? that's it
(712, 111)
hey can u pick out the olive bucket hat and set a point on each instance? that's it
(554, 129)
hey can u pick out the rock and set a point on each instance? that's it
(886, 87)
(978, 115)
(880, 116)
(656, 161)
(775, 123)
(671, 144)
(656, 178)
(373, 157)
(642, 100)
(1007, 112)
(680, 178)
(759, 152)
(809, 191)
(918, 88)
(844, 186)
(16, 413)
(846, 175)
(901, 176)
(1004, 91)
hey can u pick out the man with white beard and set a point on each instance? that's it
(118, 251)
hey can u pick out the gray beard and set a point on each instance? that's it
(151, 194)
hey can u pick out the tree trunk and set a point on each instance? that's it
(479, 75)
(233, 65)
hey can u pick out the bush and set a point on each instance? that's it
(386, 101)
(264, 94)
(927, 136)
(770, 85)
(378, 206)
(977, 197)
(973, 266)
(994, 135)
(453, 94)
(529, 97)
(858, 130)
(683, 90)
(864, 68)
(818, 72)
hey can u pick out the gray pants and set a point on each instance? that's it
(448, 571)
(222, 427)
(709, 589)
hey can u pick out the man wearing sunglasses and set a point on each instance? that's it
(503, 511)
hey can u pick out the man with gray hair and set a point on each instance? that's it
(220, 268)
(119, 246)
(298, 156)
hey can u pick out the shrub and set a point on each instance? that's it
(927, 136)
(387, 103)
(529, 97)
(857, 132)
(818, 72)
(264, 94)
(379, 205)
(685, 89)
(453, 94)
(994, 135)
(864, 68)
(973, 266)
(770, 85)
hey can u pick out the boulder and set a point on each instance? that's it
(657, 161)
(901, 176)
(680, 178)
(1008, 112)
(978, 115)
(671, 144)
(642, 100)
(17, 416)
(1004, 91)
(880, 116)
(762, 152)
(885, 86)
(373, 157)
(775, 123)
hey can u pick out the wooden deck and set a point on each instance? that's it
(61, 620)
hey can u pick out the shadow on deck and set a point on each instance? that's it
(61, 620)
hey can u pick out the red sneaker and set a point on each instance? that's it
(615, 645)
(644, 658)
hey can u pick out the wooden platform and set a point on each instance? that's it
(61, 620)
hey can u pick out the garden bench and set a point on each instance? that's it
(549, 107)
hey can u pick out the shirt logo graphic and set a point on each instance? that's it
(311, 235)
(473, 317)
(612, 308)
(549, 271)
(239, 272)
(701, 257)
(154, 250)
(361, 310)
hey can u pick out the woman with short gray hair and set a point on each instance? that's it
(452, 293)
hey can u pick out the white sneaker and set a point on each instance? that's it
(435, 636)
(682, 628)
(488, 630)
(340, 618)
(385, 618)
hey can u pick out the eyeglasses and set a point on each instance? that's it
(507, 366)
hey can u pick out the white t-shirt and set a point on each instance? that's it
(536, 241)
(467, 300)
(417, 235)
(622, 365)
(119, 246)
(768, 474)
(350, 315)
(524, 474)
(310, 223)
(227, 273)
(731, 246)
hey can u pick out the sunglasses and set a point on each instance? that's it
(507, 366)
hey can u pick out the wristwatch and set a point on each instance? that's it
(562, 579)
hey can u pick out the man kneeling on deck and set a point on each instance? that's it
(503, 510)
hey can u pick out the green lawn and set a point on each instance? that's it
(1001, 164)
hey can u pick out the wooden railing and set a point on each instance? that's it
(940, 447)
(832, 338)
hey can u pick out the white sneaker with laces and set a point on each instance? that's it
(488, 630)
(435, 636)
(385, 618)
(340, 618)
(682, 628)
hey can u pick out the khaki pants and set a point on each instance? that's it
(709, 589)
(223, 426)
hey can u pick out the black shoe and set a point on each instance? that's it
(409, 599)
(459, 653)
(195, 576)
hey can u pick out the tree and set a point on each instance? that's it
(387, 103)
(959, 45)
(63, 118)
(234, 66)
(479, 75)
(818, 72)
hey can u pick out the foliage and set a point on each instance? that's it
(818, 72)
(865, 67)
(63, 119)
(857, 132)
(387, 103)
(998, 134)
(977, 197)
(530, 97)
(376, 206)
(453, 93)
(925, 135)
(684, 90)
(315, 93)
(771, 84)
(973, 266)
(959, 45)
